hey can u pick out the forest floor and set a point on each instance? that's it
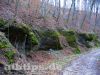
(56, 62)
(48, 62)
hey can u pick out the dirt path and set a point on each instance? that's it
(88, 64)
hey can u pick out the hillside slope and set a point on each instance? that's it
(29, 37)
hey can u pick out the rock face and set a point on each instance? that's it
(19, 37)
(50, 40)
(87, 38)
(25, 37)
(7, 51)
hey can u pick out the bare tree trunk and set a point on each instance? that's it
(91, 8)
(16, 8)
(85, 14)
(58, 16)
(96, 17)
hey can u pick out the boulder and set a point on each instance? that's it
(50, 40)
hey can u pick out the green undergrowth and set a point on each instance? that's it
(4, 42)
(77, 50)
(5, 45)
(2, 22)
(10, 56)
(86, 38)
(71, 38)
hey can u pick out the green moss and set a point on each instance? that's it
(92, 37)
(52, 39)
(56, 34)
(88, 37)
(51, 33)
(70, 37)
(4, 43)
(27, 29)
(33, 38)
(97, 43)
(10, 56)
(77, 50)
(2, 22)
(25, 32)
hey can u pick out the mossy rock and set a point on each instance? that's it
(6, 48)
(50, 40)
(10, 56)
(70, 37)
(4, 42)
(19, 33)
(92, 37)
(27, 29)
(97, 42)
(31, 39)
(50, 33)
(2, 22)
(86, 38)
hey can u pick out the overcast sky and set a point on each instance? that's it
(79, 4)
(68, 2)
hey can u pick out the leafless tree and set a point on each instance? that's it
(16, 7)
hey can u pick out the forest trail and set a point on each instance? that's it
(88, 64)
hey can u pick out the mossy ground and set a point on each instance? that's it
(10, 56)
(2, 22)
(4, 42)
(77, 50)
(71, 38)
(7, 48)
